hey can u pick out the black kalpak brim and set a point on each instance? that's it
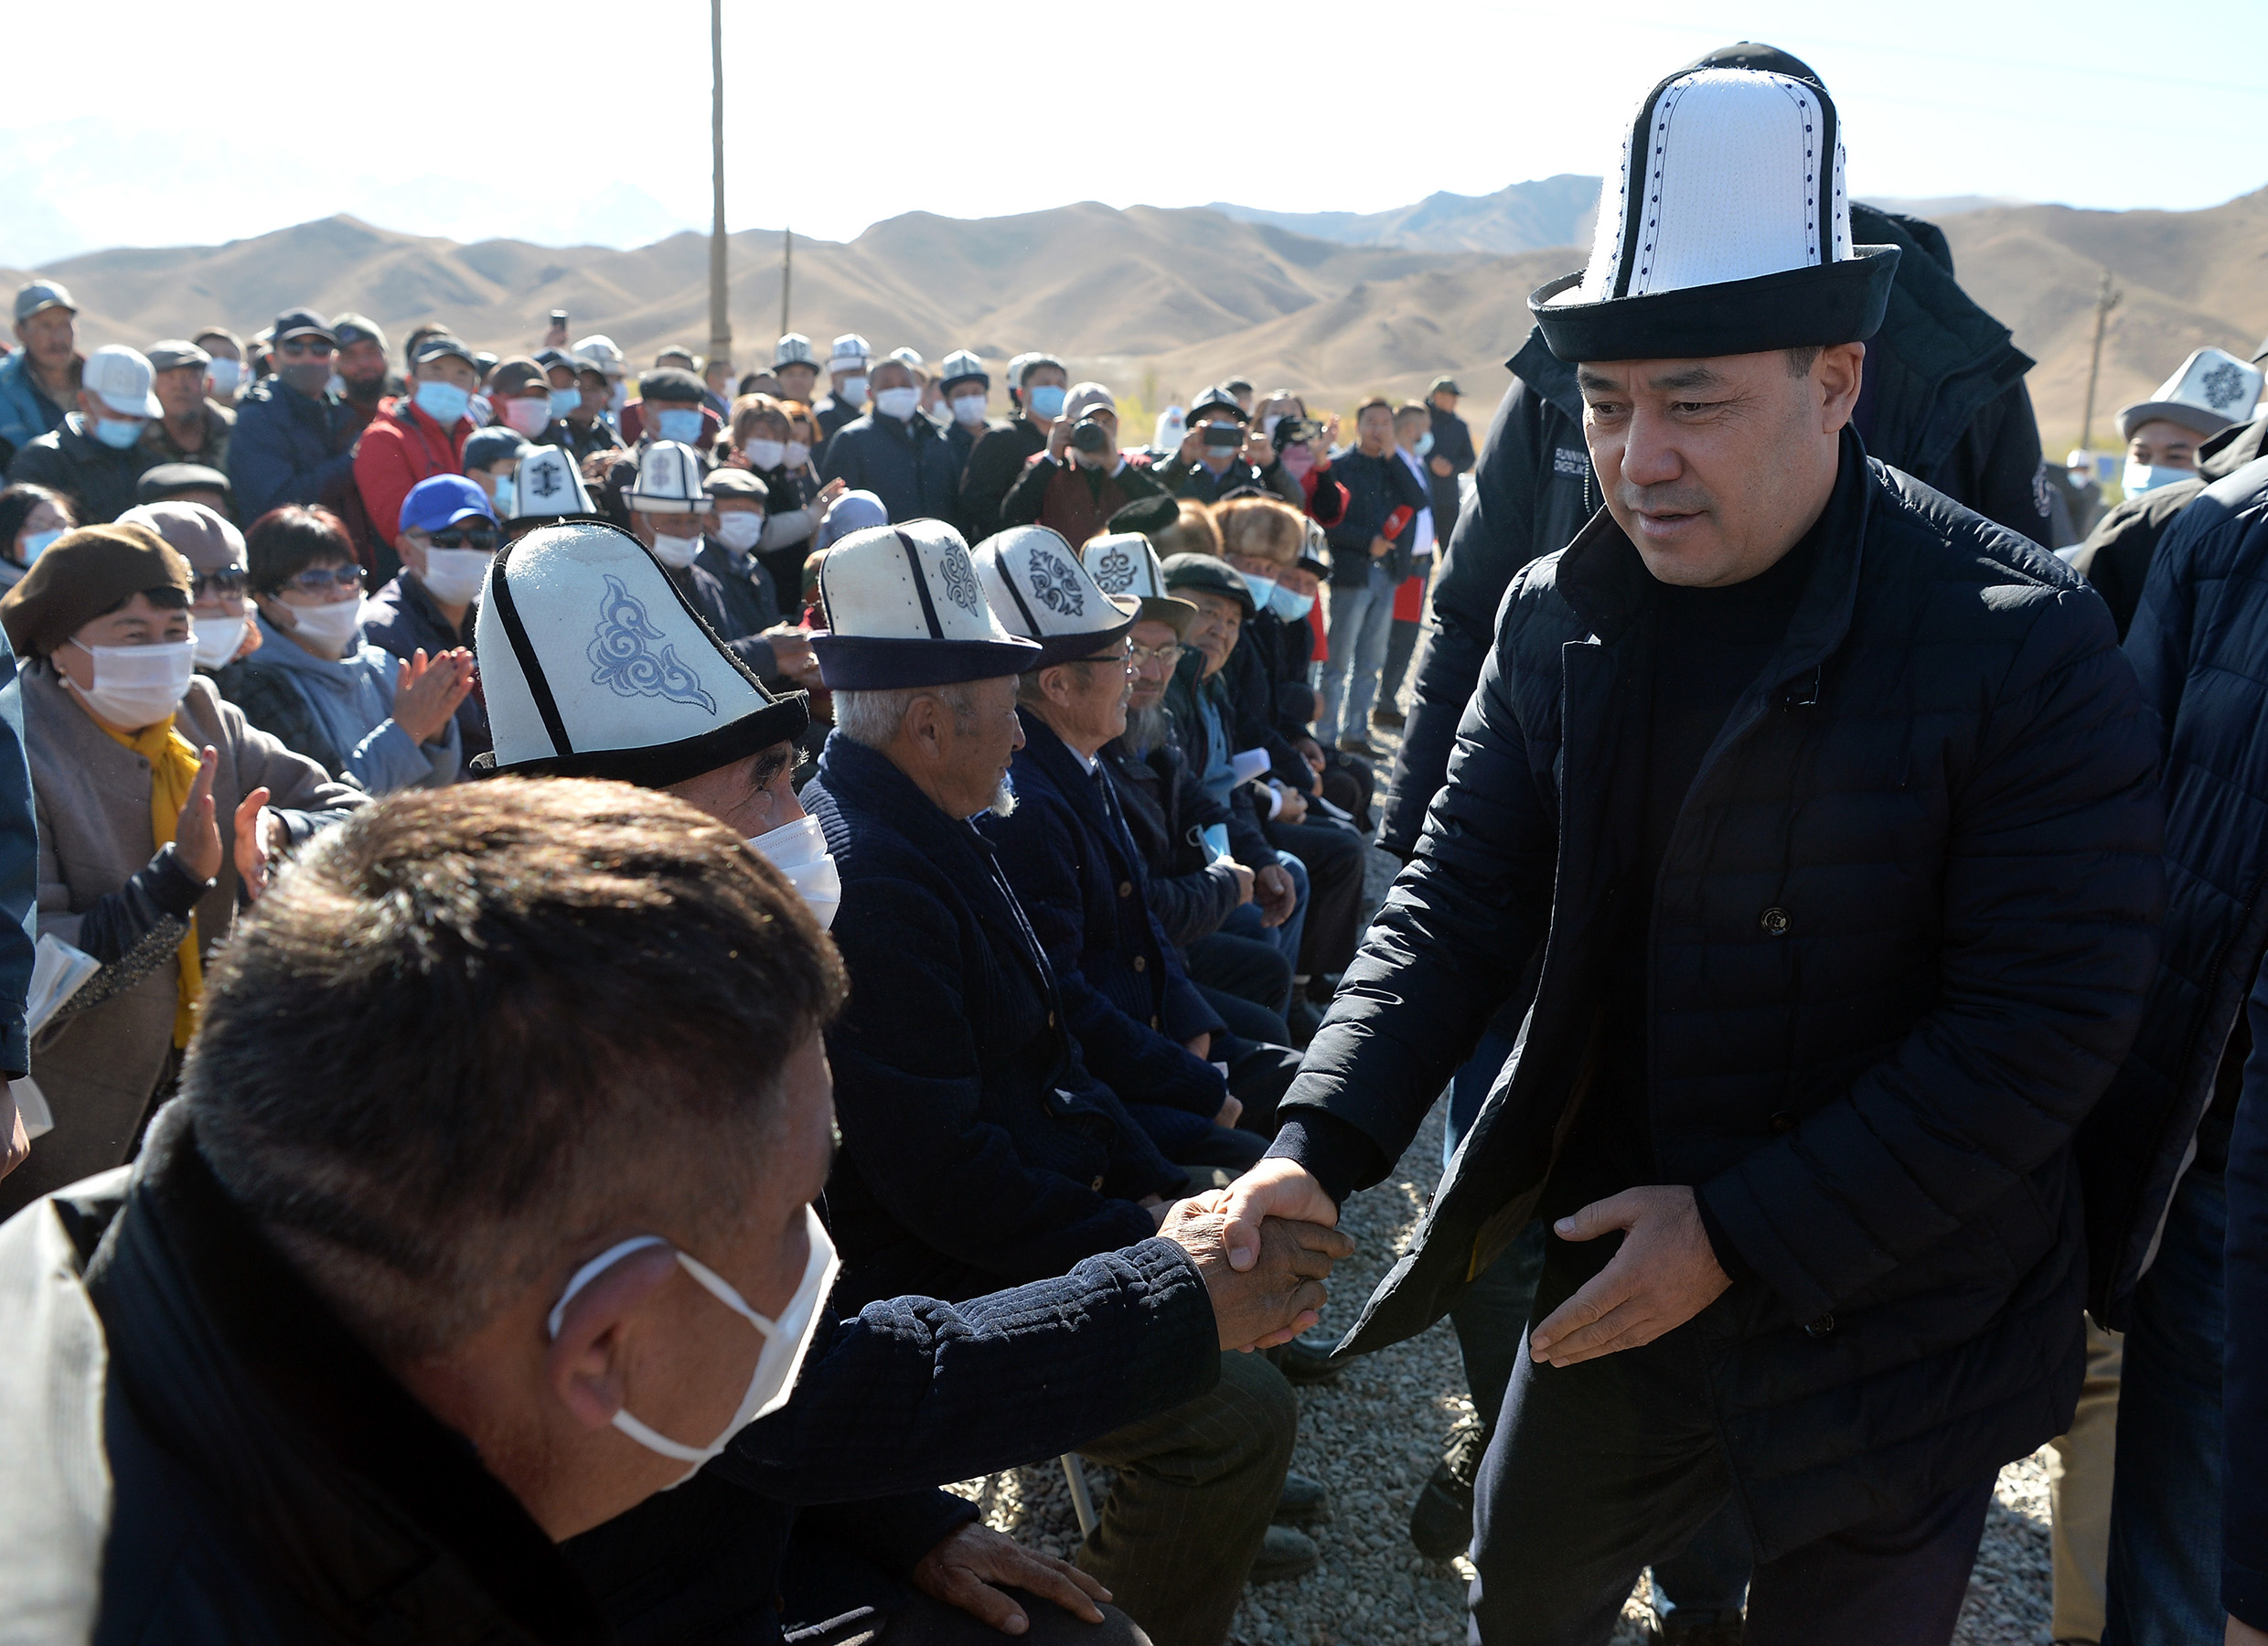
(1817, 306)
(874, 662)
(658, 765)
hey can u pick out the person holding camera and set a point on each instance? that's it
(1212, 462)
(1080, 479)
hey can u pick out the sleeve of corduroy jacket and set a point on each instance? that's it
(2051, 894)
(913, 1391)
(19, 872)
(1451, 941)
(2244, 1397)
(908, 1089)
(1040, 854)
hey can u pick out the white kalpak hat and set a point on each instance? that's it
(594, 665)
(907, 356)
(1038, 588)
(601, 347)
(850, 350)
(548, 487)
(903, 608)
(1124, 563)
(2212, 389)
(961, 365)
(1727, 232)
(668, 481)
(794, 349)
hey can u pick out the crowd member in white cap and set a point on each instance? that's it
(547, 487)
(893, 451)
(191, 429)
(1038, 386)
(2182, 439)
(1792, 960)
(847, 366)
(1081, 477)
(796, 366)
(977, 1149)
(963, 385)
(907, 356)
(39, 381)
(96, 453)
(667, 504)
(601, 349)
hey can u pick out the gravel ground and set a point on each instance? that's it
(1374, 1435)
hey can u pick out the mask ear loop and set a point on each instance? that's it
(594, 1270)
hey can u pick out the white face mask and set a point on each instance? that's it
(454, 576)
(739, 528)
(2147, 476)
(786, 1340)
(852, 391)
(969, 410)
(799, 454)
(137, 686)
(217, 639)
(900, 404)
(766, 454)
(329, 630)
(798, 850)
(676, 552)
(226, 375)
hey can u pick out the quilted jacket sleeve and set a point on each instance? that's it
(2051, 894)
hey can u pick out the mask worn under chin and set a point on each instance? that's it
(226, 375)
(740, 528)
(676, 553)
(969, 410)
(528, 415)
(1288, 606)
(443, 403)
(137, 686)
(328, 628)
(2142, 477)
(454, 576)
(798, 850)
(680, 423)
(899, 403)
(119, 433)
(310, 378)
(786, 1340)
(217, 639)
(766, 454)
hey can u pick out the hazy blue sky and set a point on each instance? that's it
(575, 122)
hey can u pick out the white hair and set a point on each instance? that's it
(874, 718)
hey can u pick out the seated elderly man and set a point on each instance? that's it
(351, 1361)
(978, 1151)
(1142, 1027)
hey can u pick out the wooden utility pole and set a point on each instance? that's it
(788, 274)
(720, 320)
(2106, 299)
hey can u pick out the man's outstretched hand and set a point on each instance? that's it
(1273, 1297)
(1275, 1188)
(1665, 1274)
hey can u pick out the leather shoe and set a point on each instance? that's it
(1389, 719)
(1284, 1554)
(1441, 1522)
(1302, 1502)
(1307, 1361)
(1698, 1628)
(1361, 748)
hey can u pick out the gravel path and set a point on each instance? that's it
(1374, 1435)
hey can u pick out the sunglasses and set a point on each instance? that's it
(465, 537)
(228, 583)
(305, 346)
(322, 580)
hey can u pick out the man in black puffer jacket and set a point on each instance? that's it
(1838, 805)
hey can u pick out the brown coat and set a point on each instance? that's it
(98, 1069)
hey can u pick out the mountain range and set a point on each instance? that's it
(1157, 302)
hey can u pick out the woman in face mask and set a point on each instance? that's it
(420, 435)
(31, 517)
(158, 805)
(220, 607)
(351, 708)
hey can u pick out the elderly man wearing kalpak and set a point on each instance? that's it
(158, 805)
(1838, 804)
(347, 1358)
(977, 1150)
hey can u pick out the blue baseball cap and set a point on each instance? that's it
(441, 501)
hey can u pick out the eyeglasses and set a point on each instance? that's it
(317, 346)
(322, 580)
(226, 584)
(1167, 655)
(1116, 660)
(483, 537)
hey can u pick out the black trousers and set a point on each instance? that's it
(1334, 870)
(1599, 1470)
(1252, 970)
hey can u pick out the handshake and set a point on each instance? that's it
(1276, 1296)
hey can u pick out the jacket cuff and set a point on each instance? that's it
(170, 885)
(1337, 1153)
(896, 1531)
(2244, 1593)
(1728, 1257)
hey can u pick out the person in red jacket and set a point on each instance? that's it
(418, 436)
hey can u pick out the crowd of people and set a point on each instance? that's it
(492, 847)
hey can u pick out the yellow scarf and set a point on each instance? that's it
(173, 770)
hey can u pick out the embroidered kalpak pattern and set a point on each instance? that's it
(1114, 574)
(544, 480)
(960, 580)
(631, 657)
(1058, 591)
(2223, 386)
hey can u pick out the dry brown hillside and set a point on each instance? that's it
(1157, 303)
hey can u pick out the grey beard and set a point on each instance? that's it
(1146, 728)
(1003, 801)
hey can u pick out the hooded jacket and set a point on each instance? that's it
(1898, 943)
(2117, 556)
(338, 713)
(1943, 399)
(100, 479)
